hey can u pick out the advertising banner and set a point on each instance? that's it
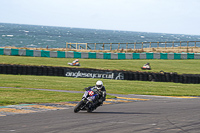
(94, 74)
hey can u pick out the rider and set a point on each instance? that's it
(101, 91)
(146, 67)
(75, 63)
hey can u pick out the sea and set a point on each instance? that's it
(38, 36)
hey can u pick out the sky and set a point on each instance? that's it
(156, 16)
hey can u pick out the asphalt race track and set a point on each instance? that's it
(157, 115)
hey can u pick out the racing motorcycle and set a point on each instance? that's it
(88, 102)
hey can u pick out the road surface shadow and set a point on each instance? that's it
(128, 113)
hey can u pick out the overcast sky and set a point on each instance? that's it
(161, 16)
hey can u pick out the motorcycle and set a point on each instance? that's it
(88, 102)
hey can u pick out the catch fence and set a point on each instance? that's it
(134, 45)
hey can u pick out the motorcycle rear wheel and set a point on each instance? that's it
(77, 108)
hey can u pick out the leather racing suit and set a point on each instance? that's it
(102, 95)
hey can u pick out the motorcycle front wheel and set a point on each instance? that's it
(77, 108)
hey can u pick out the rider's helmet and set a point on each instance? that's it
(77, 60)
(99, 84)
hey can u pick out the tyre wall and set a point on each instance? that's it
(95, 73)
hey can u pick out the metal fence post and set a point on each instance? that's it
(134, 45)
(157, 44)
(142, 45)
(126, 47)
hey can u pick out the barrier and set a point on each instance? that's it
(132, 45)
(94, 55)
(95, 73)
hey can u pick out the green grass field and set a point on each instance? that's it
(112, 86)
(179, 66)
(22, 96)
(16, 96)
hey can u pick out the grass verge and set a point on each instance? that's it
(179, 66)
(16, 96)
(22, 96)
(78, 84)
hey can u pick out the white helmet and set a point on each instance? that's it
(99, 84)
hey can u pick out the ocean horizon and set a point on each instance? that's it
(38, 36)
